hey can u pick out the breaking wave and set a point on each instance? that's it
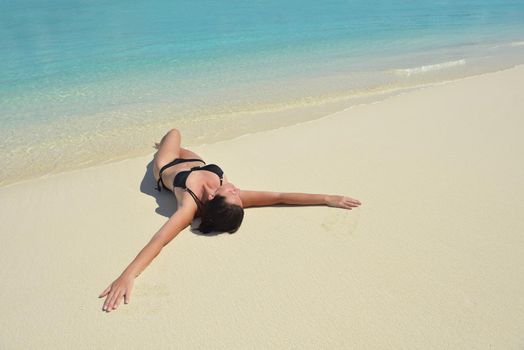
(430, 67)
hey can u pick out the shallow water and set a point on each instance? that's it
(88, 82)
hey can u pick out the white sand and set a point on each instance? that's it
(434, 258)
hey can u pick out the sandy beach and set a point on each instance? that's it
(433, 259)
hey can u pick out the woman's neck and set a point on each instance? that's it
(206, 191)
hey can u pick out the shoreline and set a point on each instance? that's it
(431, 260)
(264, 121)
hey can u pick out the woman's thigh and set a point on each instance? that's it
(170, 149)
(188, 154)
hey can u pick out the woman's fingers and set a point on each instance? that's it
(108, 305)
(104, 293)
(349, 203)
(342, 202)
(106, 302)
(113, 300)
(109, 300)
(119, 289)
(127, 297)
(352, 201)
(118, 300)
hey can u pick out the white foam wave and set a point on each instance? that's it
(517, 43)
(430, 67)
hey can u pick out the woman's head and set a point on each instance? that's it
(223, 211)
(230, 192)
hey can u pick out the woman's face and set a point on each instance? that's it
(230, 192)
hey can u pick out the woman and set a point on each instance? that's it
(201, 190)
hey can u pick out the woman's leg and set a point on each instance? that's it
(168, 150)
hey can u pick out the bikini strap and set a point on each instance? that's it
(160, 181)
(158, 188)
(197, 201)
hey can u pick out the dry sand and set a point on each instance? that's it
(433, 259)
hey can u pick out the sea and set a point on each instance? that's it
(85, 82)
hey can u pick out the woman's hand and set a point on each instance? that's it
(120, 288)
(342, 202)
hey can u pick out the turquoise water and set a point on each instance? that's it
(83, 82)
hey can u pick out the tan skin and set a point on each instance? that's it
(206, 185)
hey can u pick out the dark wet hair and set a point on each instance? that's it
(219, 215)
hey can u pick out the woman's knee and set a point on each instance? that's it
(174, 132)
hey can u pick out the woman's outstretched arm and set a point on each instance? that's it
(262, 198)
(123, 285)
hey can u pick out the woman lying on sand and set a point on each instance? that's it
(201, 191)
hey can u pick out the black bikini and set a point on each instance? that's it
(181, 177)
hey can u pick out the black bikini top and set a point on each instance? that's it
(181, 177)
